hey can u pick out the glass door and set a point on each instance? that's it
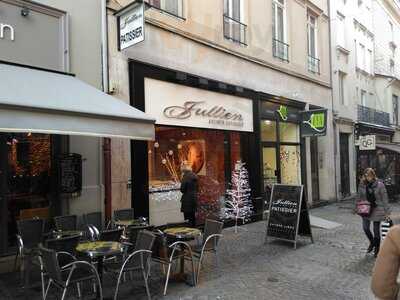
(270, 170)
(27, 181)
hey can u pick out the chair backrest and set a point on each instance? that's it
(124, 214)
(160, 246)
(112, 235)
(212, 227)
(67, 244)
(50, 263)
(145, 240)
(31, 232)
(65, 223)
(95, 219)
(133, 231)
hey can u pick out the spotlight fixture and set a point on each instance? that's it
(25, 11)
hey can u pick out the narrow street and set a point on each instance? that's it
(334, 267)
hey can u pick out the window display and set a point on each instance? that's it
(211, 154)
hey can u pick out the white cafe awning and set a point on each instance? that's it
(39, 101)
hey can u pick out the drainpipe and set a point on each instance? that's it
(333, 101)
(106, 141)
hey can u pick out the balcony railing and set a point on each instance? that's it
(234, 30)
(313, 64)
(373, 116)
(280, 50)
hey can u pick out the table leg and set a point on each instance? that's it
(100, 271)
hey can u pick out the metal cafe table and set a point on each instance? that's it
(58, 234)
(98, 250)
(182, 234)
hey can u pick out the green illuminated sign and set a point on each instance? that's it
(313, 123)
(283, 112)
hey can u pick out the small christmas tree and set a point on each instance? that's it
(239, 205)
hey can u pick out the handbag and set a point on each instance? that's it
(363, 208)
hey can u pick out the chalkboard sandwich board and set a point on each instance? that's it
(288, 214)
(69, 171)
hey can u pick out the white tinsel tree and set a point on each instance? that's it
(238, 205)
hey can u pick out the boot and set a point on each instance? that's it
(376, 246)
(371, 246)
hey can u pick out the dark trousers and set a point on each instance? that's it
(191, 217)
(376, 237)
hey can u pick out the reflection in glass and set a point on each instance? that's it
(268, 131)
(290, 165)
(289, 132)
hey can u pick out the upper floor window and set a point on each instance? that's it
(234, 29)
(280, 48)
(341, 31)
(342, 93)
(392, 66)
(395, 102)
(361, 57)
(313, 61)
(173, 7)
(363, 98)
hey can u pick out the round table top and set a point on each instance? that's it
(100, 248)
(60, 234)
(135, 222)
(183, 232)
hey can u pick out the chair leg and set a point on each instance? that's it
(43, 284)
(216, 259)
(117, 287)
(146, 284)
(15, 261)
(198, 267)
(47, 290)
(193, 272)
(167, 279)
(64, 293)
(78, 287)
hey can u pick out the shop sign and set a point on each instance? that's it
(7, 31)
(367, 142)
(179, 105)
(131, 26)
(313, 122)
(283, 112)
(288, 213)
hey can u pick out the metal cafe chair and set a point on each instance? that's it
(166, 255)
(132, 233)
(66, 244)
(63, 277)
(30, 235)
(137, 261)
(124, 214)
(211, 236)
(94, 224)
(112, 235)
(66, 223)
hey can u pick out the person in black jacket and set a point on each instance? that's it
(189, 188)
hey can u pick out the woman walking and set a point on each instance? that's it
(189, 187)
(374, 191)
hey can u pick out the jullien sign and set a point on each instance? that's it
(313, 122)
(131, 25)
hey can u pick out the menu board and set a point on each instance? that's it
(69, 173)
(286, 210)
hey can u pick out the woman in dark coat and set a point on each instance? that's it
(189, 188)
(374, 192)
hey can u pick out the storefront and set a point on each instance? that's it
(203, 122)
(282, 154)
(384, 158)
(43, 109)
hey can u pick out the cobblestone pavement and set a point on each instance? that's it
(334, 267)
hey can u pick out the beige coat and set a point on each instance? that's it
(384, 277)
(382, 208)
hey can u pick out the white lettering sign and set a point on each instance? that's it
(131, 27)
(367, 142)
(180, 105)
(7, 31)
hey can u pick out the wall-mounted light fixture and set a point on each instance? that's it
(25, 11)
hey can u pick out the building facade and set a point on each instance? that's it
(363, 73)
(251, 57)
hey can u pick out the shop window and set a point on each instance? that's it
(289, 132)
(268, 131)
(212, 155)
(290, 164)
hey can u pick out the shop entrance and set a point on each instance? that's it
(344, 165)
(25, 179)
(314, 169)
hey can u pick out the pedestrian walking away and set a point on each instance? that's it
(189, 188)
(373, 190)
